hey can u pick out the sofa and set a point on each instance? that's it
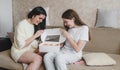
(104, 40)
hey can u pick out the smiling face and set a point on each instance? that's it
(69, 22)
(37, 19)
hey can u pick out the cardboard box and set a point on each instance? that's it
(51, 39)
(49, 47)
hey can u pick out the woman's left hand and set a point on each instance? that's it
(38, 33)
(65, 33)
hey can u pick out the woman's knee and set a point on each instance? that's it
(37, 58)
(48, 56)
(59, 59)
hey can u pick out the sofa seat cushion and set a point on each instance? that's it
(7, 62)
(116, 57)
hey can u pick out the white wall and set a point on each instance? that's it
(6, 24)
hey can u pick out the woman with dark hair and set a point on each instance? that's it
(25, 43)
(77, 34)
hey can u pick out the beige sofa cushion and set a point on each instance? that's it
(98, 59)
(11, 36)
(104, 40)
(107, 18)
(7, 62)
(85, 67)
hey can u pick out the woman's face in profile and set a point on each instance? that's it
(37, 19)
(68, 22)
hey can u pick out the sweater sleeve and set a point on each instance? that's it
(20, 36)
(34, 44)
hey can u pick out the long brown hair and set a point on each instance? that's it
(69, 14)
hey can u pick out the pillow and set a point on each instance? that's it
(107, 18)
(11, 36)
(7, 62)
(98, 59)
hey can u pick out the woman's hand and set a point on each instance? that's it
(65, 33)
(38, 33)
(62, 44)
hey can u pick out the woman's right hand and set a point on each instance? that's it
(65, 33)
(38, 33)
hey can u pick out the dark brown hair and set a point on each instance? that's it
(69, 14)
(37, 11)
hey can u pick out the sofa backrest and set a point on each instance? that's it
(85, 8)
(101, 40)
(104, 40)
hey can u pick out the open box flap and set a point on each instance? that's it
(52, 35)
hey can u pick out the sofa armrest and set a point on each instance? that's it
(5, 44)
